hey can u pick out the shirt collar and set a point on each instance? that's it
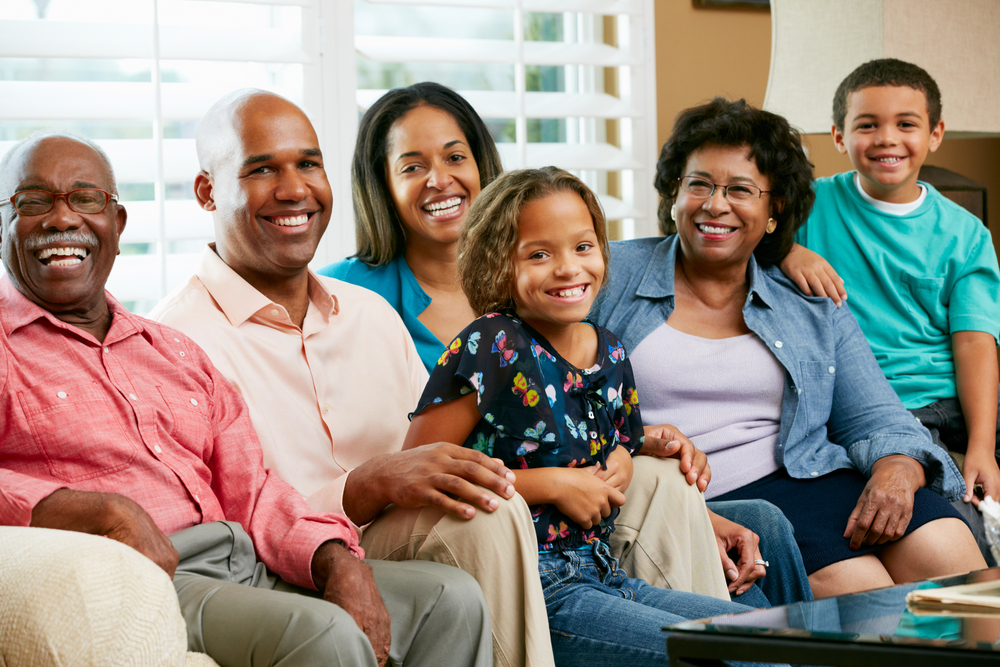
(658, 280)
(19, 311)
(239, 300)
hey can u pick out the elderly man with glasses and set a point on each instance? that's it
(119, 426)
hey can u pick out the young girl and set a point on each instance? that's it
(535, 384)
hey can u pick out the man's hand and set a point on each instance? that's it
(347, 582)
(730, 535)
(582, 496)
(665, 441)
(885, 507)
(619, 471)
(441, 475)
(813, 274)
(110, 515)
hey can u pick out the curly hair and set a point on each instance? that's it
(488, 238)
(773, 145)
(378, 230)
(887, 72)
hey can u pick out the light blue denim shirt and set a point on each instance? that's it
(395, 283)
(838, 409)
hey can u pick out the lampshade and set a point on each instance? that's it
(815, 44)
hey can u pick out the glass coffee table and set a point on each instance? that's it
(870, 628)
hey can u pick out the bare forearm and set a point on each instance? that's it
(539, 486)
(66, 509)
(976, 379)
(364, 491)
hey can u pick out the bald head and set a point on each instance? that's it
(220, 130)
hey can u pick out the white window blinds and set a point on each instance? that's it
(564, 82)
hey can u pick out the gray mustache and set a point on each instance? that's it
(36, 241)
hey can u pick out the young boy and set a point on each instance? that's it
(925, 286)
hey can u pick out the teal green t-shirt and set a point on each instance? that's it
(912, 280)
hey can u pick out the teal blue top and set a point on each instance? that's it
(913, 280)
(395, 283)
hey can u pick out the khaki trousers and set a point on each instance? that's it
(663, 535)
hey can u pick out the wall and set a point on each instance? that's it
(701, 53)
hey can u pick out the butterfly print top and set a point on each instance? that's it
(540, 411)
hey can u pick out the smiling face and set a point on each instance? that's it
(717, 229)
(887, 135)
(266, 185)
(558, 266)
(432, 175)
(61, 259)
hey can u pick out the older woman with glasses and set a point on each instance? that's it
(780, 390)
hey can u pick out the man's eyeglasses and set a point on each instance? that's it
(737, 193)
(37, 202)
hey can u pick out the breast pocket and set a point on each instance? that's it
(816, 385)
(927, 298)
(74, 453)
(187, 418)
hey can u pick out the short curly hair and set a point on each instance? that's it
(887, 72)
(773, 145)
(489, 235)
(378, 230)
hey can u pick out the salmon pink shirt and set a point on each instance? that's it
(145, 415)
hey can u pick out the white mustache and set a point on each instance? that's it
(36, 241)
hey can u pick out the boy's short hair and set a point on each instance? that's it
(887, 72)
(489, 234)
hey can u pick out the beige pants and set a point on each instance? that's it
(662, 535)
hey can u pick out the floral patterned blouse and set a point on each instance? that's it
(540, 411)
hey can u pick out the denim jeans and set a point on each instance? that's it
(599, 616)
(946, 423)
(786, 581)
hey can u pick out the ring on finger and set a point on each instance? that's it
(761, 561)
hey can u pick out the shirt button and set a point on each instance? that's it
(61, 394)
(194, 402)
(133, 397)
(591, 414)
(177, 340)
(156, 448)
(830, 370)
(814, 474)
(326, 407)
(107, 350)
(274, 311)
(778, 343)
(196, 498)
(799, 390)
(182, 353)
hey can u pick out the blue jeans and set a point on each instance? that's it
(786, 581)
(599, 616)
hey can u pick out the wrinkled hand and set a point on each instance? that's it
(665, 441)
(619, 471)
(885, 507)
(583, 497)
(441, 475)
(981, 469)
(348, 583)
(731, 536)
(813, 274)
(110, 515)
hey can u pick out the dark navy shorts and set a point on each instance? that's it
(818, 509)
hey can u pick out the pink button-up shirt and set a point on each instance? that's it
(324, 398)
(146, 415)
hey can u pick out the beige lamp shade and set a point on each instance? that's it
(816, 43)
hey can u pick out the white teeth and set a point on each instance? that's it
(73, 255)
(444, 207)
(708, 229)
(888, 160)
(576, 291)
(290, 220)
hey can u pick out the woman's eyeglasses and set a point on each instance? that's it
(736, 193)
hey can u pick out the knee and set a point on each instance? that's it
(510, 519)
(655, 481)
(327, 636)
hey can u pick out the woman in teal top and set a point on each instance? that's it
(422, 156)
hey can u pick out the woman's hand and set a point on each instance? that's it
(885, 507)
(619, 471)
(979, 468)
(813, 274)
(582, 496)
(665, 441)
(732, 536)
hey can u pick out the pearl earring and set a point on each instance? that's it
(673, 212)
(772, 224)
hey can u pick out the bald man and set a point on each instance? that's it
(330, 373)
